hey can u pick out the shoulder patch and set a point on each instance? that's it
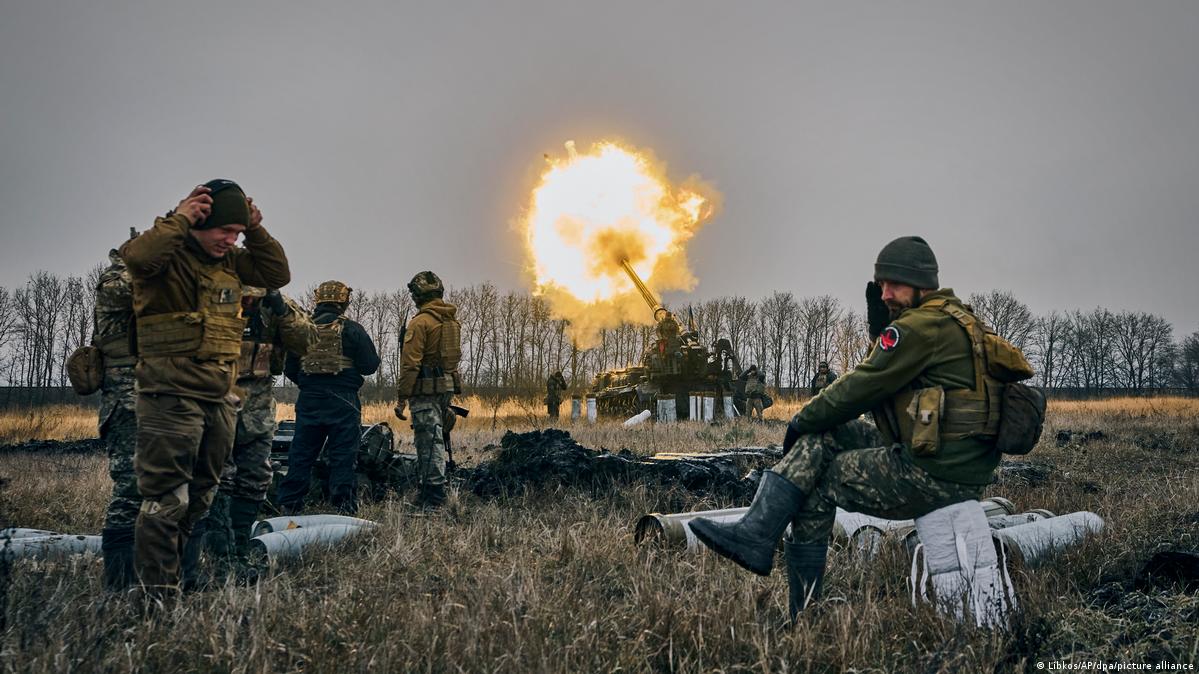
(889, 339)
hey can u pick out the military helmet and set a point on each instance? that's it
(823, 365)
(425, 286)
(910, 260)
(333, 291)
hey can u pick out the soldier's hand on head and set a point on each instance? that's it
(274, 302)
(195, 206)
(877, 313)
(255, 215)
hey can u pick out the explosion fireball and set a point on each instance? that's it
(591, 212)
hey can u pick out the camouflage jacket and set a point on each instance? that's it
(113, 316)
(924, 347)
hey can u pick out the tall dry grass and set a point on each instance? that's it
(55, 422)
(551, 581)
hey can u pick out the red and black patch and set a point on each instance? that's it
(889, 339)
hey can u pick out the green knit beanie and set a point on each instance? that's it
(909, 260)
(229, 206)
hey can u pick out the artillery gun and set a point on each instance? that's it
(674, 364)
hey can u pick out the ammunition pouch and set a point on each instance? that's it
(85, 369)
(116, 351)
(432, 381)
(193, 334)
(255, 361)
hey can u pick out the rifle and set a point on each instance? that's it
(454, 410)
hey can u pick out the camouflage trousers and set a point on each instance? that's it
(119, 432)
(846, 467)
(428, 424)
(551, 407)
(247, 473)
(756, 404)
(182, 445)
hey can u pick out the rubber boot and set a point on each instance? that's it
(805, 573)
(116, 544)
(189, 558)
(752, 540)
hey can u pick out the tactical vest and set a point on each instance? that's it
(257, 356)
(926, 417)
(325, 355)
(210, 333)
(439, 369)
(113, 317)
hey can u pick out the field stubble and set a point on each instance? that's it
(551, 580)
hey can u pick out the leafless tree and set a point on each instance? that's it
(1008, 316)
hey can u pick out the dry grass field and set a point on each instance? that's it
(551, 580)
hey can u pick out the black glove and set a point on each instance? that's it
(878, 316)
(790, 439)
(274, 302)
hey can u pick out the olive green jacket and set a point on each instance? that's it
(926, 348)
(162, 263)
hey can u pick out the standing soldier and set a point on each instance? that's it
(328, 411)
(113, 318)
(755, 391)
(429, 380)
(934, 396)
(275, 326)
(554, 386)
(187, 274)
(823, 378)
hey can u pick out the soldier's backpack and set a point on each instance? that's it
(1021, 407)
(85, 369)
(325, 355)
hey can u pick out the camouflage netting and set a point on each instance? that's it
(551, 457)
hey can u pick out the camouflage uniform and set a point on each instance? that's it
(247, 475)
(429, 379)
(823, 378)
(118, 422)
(755, 393)
(554, 386)
(933, 443)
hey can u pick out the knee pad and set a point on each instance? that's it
(171, 506)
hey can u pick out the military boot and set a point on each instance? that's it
(116, 544)
(191, 543)
(431, 496)
(752, 540)
(805, 573)
(218, 535)
(242, 514)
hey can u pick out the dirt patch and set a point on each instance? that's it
(1068, 437)
(90, 446)
(552, 457)
(1024, 473)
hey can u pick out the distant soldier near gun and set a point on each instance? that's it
(824, 376)
(940, 386)
(429, 379)
(755, 392)
(555, 384)
(106, 365)
(275, 326)
(187, 273)
(328, 411)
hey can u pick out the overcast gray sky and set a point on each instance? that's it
(1049, 148)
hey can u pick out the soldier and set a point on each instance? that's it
(113, 322)
(904, 468)
(429, 379)
(328, 411)
(824, 377)
(755, 391)
(554, 386)
(187, 273)
(275, 326)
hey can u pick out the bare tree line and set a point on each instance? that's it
(511, 341)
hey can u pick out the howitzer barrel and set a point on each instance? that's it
(646, 293)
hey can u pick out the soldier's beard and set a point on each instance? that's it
(896, 308)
